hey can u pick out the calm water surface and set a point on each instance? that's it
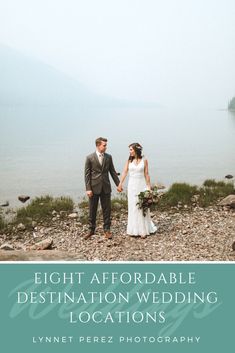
(43, 149)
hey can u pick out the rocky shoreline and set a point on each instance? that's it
(196, 234)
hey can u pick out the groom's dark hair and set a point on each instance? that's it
(99, 140)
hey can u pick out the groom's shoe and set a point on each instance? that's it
(108, 235)
(91, 232)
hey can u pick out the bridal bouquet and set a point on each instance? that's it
(146, 199)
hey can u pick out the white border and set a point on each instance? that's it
(120, 262)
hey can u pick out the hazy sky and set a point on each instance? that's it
(155, 50)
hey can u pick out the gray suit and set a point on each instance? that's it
(97, 180)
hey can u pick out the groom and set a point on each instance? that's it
(97, 168)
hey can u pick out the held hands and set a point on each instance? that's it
(120, 188)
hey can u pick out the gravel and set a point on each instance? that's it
(188, 235)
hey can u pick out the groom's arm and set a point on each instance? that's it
(113, 172)
(88, 174)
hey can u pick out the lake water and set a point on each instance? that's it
(43, 149)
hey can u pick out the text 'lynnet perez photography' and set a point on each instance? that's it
(115, 297)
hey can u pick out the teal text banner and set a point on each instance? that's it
(103, 307)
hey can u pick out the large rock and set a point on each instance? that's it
(6, 247)
(23, 198)
(42, 245)
(73, 215)
(228, 201)
(5, 204)
(39, 255)
(21, 227)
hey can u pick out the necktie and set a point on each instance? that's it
(101, 157)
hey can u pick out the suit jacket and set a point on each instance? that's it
(97, 175)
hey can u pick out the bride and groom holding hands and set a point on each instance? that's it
(98, 166)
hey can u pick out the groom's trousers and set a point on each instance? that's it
(105, 200)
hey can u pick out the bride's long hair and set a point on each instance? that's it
(138, 151)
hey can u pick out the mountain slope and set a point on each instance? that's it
(27, 81)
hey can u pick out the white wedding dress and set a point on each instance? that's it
(138, 224)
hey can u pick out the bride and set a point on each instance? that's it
(139, 180)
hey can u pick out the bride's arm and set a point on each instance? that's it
(146, 174)
(123, 176)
